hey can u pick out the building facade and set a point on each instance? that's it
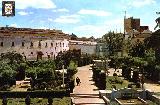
(135, 31)
(131, 23)
(86, 47)
(30, 45)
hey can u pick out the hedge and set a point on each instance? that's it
(35, 94)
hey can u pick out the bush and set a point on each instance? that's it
(135, 77)
(129, 85)
(102, 81)
(114, 87)
(138, 85)
(50, 101)
(114, 74)
(34, 94)
(72, 69)
(96, 74)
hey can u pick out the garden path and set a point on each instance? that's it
(87, 93)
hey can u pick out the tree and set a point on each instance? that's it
(7, 74)
(137, 50)
(31, 72)
(115, 42)
(73, 37)
(72, 69)
(154, 42)
(21, 71)
(12, 57)
(65, 58)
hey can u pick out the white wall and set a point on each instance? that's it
(27, 49)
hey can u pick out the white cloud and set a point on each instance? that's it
(42, 21)
(101, 29)
(50, 19)
(141, 3)
(0, 12)
(68, 19)
(61, 10)
(45, 4)
(94, 12)
(91, 30)
(24, 13)
(14, 25)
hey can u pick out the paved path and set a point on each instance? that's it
(87, 93)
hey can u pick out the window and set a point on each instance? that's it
(56, 44)
(22, 44)
(1, 44)
(46, 45)
(55, 48)
(63, 44)
(31, 44)
(39, 44)
(60, 44)
(51, 44)
(54, 57)
(12, 44)
(32, 53)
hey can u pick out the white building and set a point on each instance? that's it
(86, 47)
(30, 45)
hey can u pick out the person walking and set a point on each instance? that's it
(78, 81)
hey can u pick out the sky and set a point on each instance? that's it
(85, 18)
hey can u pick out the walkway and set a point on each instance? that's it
(87, 93)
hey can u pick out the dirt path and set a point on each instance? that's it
(87, 93)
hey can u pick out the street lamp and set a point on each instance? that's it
(63, 75)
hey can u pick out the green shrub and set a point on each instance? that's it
(114, 74)
(102, 81)
(72, 69)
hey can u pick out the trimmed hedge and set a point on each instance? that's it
(35, 94)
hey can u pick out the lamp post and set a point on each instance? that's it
(63, 75)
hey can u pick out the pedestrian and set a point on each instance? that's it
(77, 81)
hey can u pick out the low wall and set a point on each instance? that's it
(152, 97)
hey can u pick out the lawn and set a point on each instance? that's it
(151, 103)
(148, 101)
(158, 93)
(117, 81)
(39, 101)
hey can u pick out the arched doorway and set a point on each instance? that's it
(39, 55)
